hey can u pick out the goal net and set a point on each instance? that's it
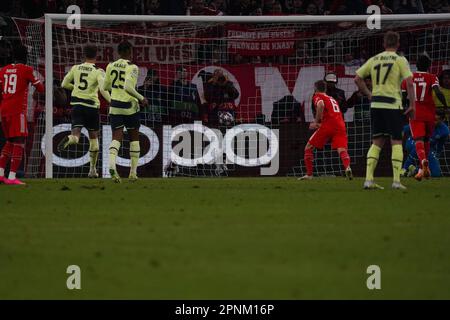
(215, 76)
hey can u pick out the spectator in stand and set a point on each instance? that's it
(199, 8)
(437, 6)
(241, 8)
(444, 82)
(383, 7)
(348, 6)
(257, 12)
(361, 102)
(297, 7)
(320, 5)
(184, 97)
(311, 9)
(156, 94)
(152, 7)
(220, 95)
(277, 9)
(407, 6)
(218, 5)
(331, 79)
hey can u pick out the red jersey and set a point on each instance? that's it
(332, 115)
(423, 86)
(14, 83)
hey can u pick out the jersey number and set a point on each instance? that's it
(118, 76)
(335, 105)
(384, 65)
(10, 83)
(423, 87)
(83, 81)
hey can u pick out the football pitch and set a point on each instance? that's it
(256, 238)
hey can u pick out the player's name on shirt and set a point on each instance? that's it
(386, 57)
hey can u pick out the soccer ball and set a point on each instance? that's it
(225, 118)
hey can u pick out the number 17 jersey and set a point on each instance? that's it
(387, 70)
(423, 85)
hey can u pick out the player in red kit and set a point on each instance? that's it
(330, 127)
(15, 79)
(422, 126)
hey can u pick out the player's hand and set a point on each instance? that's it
(313, 125)
(144, 103)
(369, 96)
(410, 111)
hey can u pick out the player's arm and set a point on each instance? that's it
(107, 82)
(319, 112)
(440, 96)
(130, 81)
(35, 81)
(361, 73)
(67, 82)
(407, 76)
(411, 97)
(101, 81)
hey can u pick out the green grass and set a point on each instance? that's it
(260, 238)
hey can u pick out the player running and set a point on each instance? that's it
(330, 126)
(85, 80)
(15, 79)
(423, 124)
(121, 79)
(387, 70)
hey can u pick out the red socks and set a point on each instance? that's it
(345, 159)
(16, 157)
(309, 157)
(5, 154)
(421, 152)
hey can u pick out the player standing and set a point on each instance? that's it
(121, 79)
(15, 79)
(330, 126)
(85, 80)
(387, 70)
(423, 124)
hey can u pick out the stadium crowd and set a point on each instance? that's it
(36, 8)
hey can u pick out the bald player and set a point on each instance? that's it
(387, 71)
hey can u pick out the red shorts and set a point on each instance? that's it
(15, 126)
(421, 129)
(338, 137)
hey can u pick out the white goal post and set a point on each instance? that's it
(51, 19)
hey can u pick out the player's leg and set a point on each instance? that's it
(429, 128)
(418, 134)
(373, 154)
(94, 149)
(18, 131)
(92, 124)
(6, 152)
(339, 142)
(133, 124)
(317, 140)
(117, 126)
(18, 147)
(435, 167)
(395, 125)
(78, 122)
(308, 158)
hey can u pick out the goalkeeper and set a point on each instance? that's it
(440, 136)
(85, 80)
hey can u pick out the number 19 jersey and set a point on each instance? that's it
(387, 71)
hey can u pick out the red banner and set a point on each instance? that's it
(248, 42)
